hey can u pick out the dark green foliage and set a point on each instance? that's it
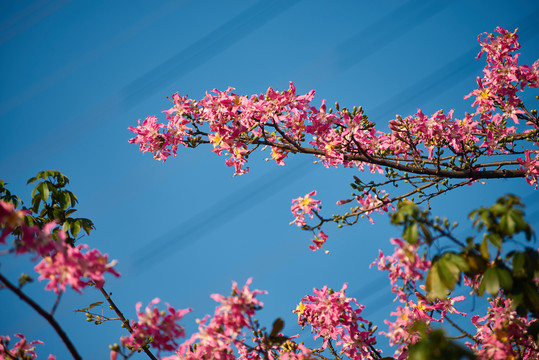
(6, 195)
(513, 272)
(434, 345)
(51, 202)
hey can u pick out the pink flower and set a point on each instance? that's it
(159, 328)
(22, 349)
(502, 334)
(400, 332)
(303, 206)
(150, 139)
(332, 316)
(318, 241)
(9, 219)
(531, 166)
(216, 336)
(70, 265)
(39, 241)
(404, 265)
(370, 204)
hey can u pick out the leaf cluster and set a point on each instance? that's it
(435, 345)
(51, 202)
(514, 272)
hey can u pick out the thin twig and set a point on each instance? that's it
(125, 322)
(464, 332)
(56, 303)
(330, 346)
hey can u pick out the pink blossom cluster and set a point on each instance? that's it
(62, 264)
(158, 327)
(69, 265)
(217, 336)
(286, 121)
(229, 118)
(371, 203)
(405, 267)
(304, 206)
(318, 241)
(531, 165)
(401, 333)
(503, 77)
(435, 131)
(21, 350)
(502, 334)
(332, 317)
(10, 219)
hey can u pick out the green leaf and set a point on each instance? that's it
(449, 272)
(426, 233)
(66, 225)
(483, 249)
(44, 190)
(519, 259)
(458, 260)
(507, 224)
(495, 239)
(63, 199)
(92, 305)
(33, 193)
(475, 263)
(35, 203)
(491, 281)
(87, 225)
(278, 325)
(31, 180)
(505, 278)
(411, 233)
(73, 198)
(434, 285)
(498, 208)
(75, 228)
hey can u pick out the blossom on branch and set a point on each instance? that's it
(160, 328)
(304, 206)
(502, 334)
(404, 265)
(217, 336)
(9, 219)
(332, 317)
(62, 264)
(71, 266)
(531, 166)
(21, 350)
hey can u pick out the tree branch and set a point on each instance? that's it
(464, 332)
(125, 322)
(50, 319)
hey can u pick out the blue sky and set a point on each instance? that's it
(76, 74)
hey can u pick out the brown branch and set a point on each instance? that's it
(452, 174)
(330, 346)
(397, 163)
(50, 319)
(125, 322)
(56, 303)
(463, 332)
